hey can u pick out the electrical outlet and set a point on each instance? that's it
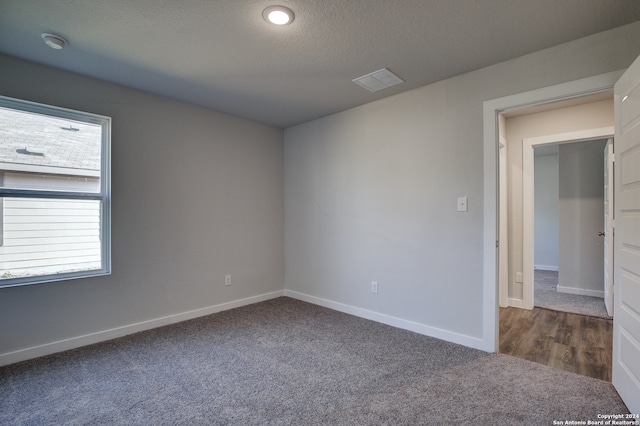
(227, 280)
(519, 277)
(374, 287)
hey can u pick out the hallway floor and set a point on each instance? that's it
(561, 340)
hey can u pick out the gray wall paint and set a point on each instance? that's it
(546, 212)
(371, 192)
(581, 212)
(196, 195)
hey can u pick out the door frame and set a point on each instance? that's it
(491, 111)
(503, 227)
(609, 216)
(528, 197)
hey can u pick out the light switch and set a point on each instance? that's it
(462, 204)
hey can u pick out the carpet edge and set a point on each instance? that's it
(427, 330)
(109, 334)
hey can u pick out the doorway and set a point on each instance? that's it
(580, 219)
(540, 334)
(568, 215)
(561, 124)
(492, 109)
(569, 235)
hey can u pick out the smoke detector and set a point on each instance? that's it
(54, 41)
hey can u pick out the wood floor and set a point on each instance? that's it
(561, 340)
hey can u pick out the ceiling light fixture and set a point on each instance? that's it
(278, 15)
(54, 41)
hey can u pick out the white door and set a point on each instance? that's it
(608, 226)
(626, 323)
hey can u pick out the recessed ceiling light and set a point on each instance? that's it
(278, 15)
(54, 41)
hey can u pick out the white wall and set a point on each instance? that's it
(581, 213)
(196, 195)
(546, 212)
(371, 192)
(574, 118)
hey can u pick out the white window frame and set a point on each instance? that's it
(104, 196)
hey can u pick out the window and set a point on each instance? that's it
(54, 193)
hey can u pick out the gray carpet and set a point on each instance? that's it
(286, 362)
(546, 296)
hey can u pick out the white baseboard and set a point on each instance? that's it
(426, 330)
(101, 336)
(546, 267)
(516, 303)
(581, 291)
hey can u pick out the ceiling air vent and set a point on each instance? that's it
(378, 80)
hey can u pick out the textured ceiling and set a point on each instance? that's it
(223, 55)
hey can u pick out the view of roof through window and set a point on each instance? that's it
(39, 140)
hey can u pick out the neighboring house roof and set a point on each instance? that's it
(36, 143)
